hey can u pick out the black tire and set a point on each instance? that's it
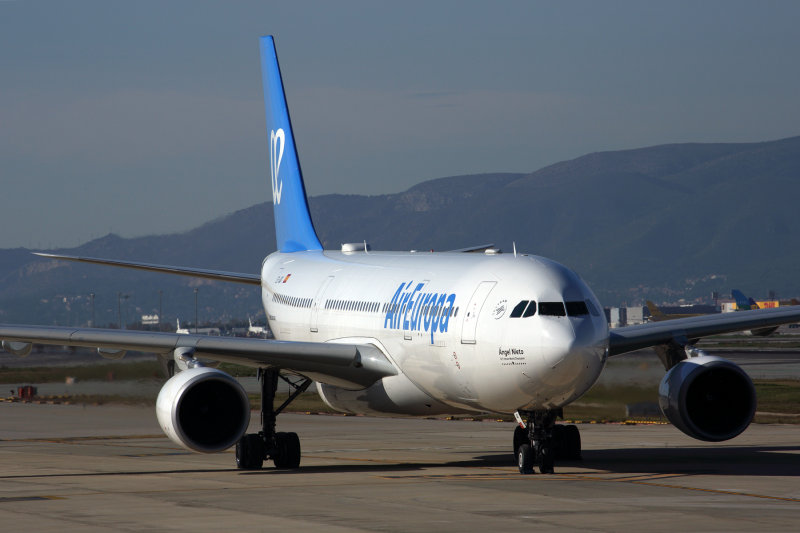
(525, 459)
(520, 438)
(559, 441)
(287, 454)
(571, 448)
(250, 452)
(546, 460)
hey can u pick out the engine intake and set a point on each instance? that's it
(21, 349)
(203, 409)
(708, 398)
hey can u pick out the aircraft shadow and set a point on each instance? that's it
(375, 467)
(778, 461)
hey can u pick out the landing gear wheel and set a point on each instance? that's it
(282, 448)
(567, 442)
(250, 452)
(539, 444)
(571, 443)
(559, 442)
(287, 451)
(520, 438)
(525, 459)
(546, 460)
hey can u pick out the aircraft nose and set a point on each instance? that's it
(557, 342)
(572, 348)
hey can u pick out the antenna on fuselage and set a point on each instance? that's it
(514, 245)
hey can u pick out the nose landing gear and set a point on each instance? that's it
(283, 448)
(541, 441)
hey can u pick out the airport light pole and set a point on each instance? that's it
(195, 310)
(91, 297)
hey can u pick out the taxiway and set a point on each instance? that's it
(109, 468)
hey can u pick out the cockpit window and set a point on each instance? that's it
(592, 308)
(530, 310)
(577, 308)
(552, 309)
(518, 309)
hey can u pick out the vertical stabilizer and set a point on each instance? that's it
(293, 227)
(742, 302)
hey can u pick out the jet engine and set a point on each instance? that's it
(203, 409)
(708, 398)
(21, 349)
(762, 332)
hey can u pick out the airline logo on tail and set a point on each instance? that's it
(277, 140)
(294, 231)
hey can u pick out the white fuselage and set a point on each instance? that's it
(445, 321)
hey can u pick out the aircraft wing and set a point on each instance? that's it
(218, 275)
(352, 366)
(630, 338)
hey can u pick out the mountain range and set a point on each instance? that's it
(664, 223)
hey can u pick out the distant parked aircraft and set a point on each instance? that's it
(657, 315)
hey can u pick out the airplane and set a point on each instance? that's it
(743, 303)
(411, 333)
(657, 315)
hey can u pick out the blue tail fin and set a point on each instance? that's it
(742, 303)
(293, 227)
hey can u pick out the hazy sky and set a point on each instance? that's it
(147, 117)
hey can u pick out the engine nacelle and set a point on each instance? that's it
(18, 348)
(762, 332)
(203, 409)
(708, 398)
(110, 353)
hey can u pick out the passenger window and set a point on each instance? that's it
(552, 309)
(530, 310)
(519, 308)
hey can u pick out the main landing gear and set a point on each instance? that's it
(283, 448)
(541, 441)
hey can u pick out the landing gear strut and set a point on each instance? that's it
(541, 442)
(283, 448)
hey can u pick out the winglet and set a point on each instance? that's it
(293, 227)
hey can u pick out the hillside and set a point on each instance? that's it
(662, 222)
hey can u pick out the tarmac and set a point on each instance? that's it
(109, 468)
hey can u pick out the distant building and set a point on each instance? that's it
(624, 316)
(634, 315)
(616, 316)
